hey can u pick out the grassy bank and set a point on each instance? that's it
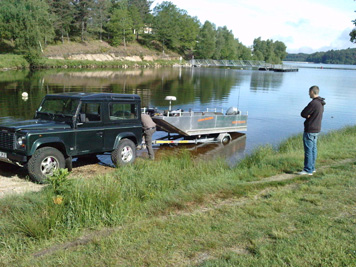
(11, 61)
(66, 63)
(19, 62)
(180, 211)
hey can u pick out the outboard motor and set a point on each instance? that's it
(232, 111)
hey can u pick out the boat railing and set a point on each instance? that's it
(181, 113)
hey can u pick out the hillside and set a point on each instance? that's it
(344, 56)
(91, 54)
(97, 47)
(134, 49)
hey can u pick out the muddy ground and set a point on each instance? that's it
(14, 179)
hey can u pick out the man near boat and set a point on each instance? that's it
(313, 114)
(149, 127)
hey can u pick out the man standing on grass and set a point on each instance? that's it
(313, 114)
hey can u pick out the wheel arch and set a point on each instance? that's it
(126, 135)
(49, 142)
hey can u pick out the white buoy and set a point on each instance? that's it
(24, 96)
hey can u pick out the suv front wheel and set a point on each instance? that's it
(44, 162)
(125, 153)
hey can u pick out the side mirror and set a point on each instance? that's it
(82, 117)
(79, 121)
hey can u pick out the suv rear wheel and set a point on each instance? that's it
(124, 154)
(44, 162)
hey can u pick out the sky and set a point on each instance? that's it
(305, 26)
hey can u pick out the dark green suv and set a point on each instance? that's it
(73, 125)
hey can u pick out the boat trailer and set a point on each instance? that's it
(223, 138)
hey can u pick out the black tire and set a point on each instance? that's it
(44, 162)
(124, 154)
(226, 140)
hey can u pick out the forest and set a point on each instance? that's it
(344, 56)
(30, 25)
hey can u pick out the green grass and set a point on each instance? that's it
(306, 221)
(66, 63)
(10, 61)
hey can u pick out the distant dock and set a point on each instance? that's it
(279, 68)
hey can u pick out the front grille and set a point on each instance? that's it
(7, 140)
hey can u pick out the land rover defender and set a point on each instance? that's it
(72, 125)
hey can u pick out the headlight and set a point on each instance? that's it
(21, 142)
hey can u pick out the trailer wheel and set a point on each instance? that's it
(226, 139)
(124, 154)
(44, 162)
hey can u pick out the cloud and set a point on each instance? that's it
(304, 49)
(341, 42)
(300, 23)
(303, 26)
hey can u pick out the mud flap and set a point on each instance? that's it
(68, 163)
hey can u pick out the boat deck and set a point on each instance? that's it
(200, 123)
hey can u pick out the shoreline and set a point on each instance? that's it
(89, 61)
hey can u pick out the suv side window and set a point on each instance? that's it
(122, 111)
(90, 112)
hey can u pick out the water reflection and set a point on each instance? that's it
(191, 87)
(266, 80)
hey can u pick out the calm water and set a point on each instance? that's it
(273, 100)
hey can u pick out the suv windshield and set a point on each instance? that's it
(65, 106)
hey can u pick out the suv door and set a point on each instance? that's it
(90, 132)
(123, 118)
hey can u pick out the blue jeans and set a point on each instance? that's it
(310, 151)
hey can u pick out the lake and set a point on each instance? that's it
(273, 100)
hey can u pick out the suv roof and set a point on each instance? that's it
(96, 96)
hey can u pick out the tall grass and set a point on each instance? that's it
(149, 188)
(13, 61)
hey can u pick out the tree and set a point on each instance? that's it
(228, 50)
(188, 31)
(137, 20)
(144, 8)
(242, 52)
(83, 13)
(63, 14)
(220, 43)
(269, 51)
(120, 25)
(353, 33)
(100, 16)
(27, 22)
(259, 49)
(206, 41)
(280, 50)
(165, 24)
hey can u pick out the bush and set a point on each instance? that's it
(34, 58)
